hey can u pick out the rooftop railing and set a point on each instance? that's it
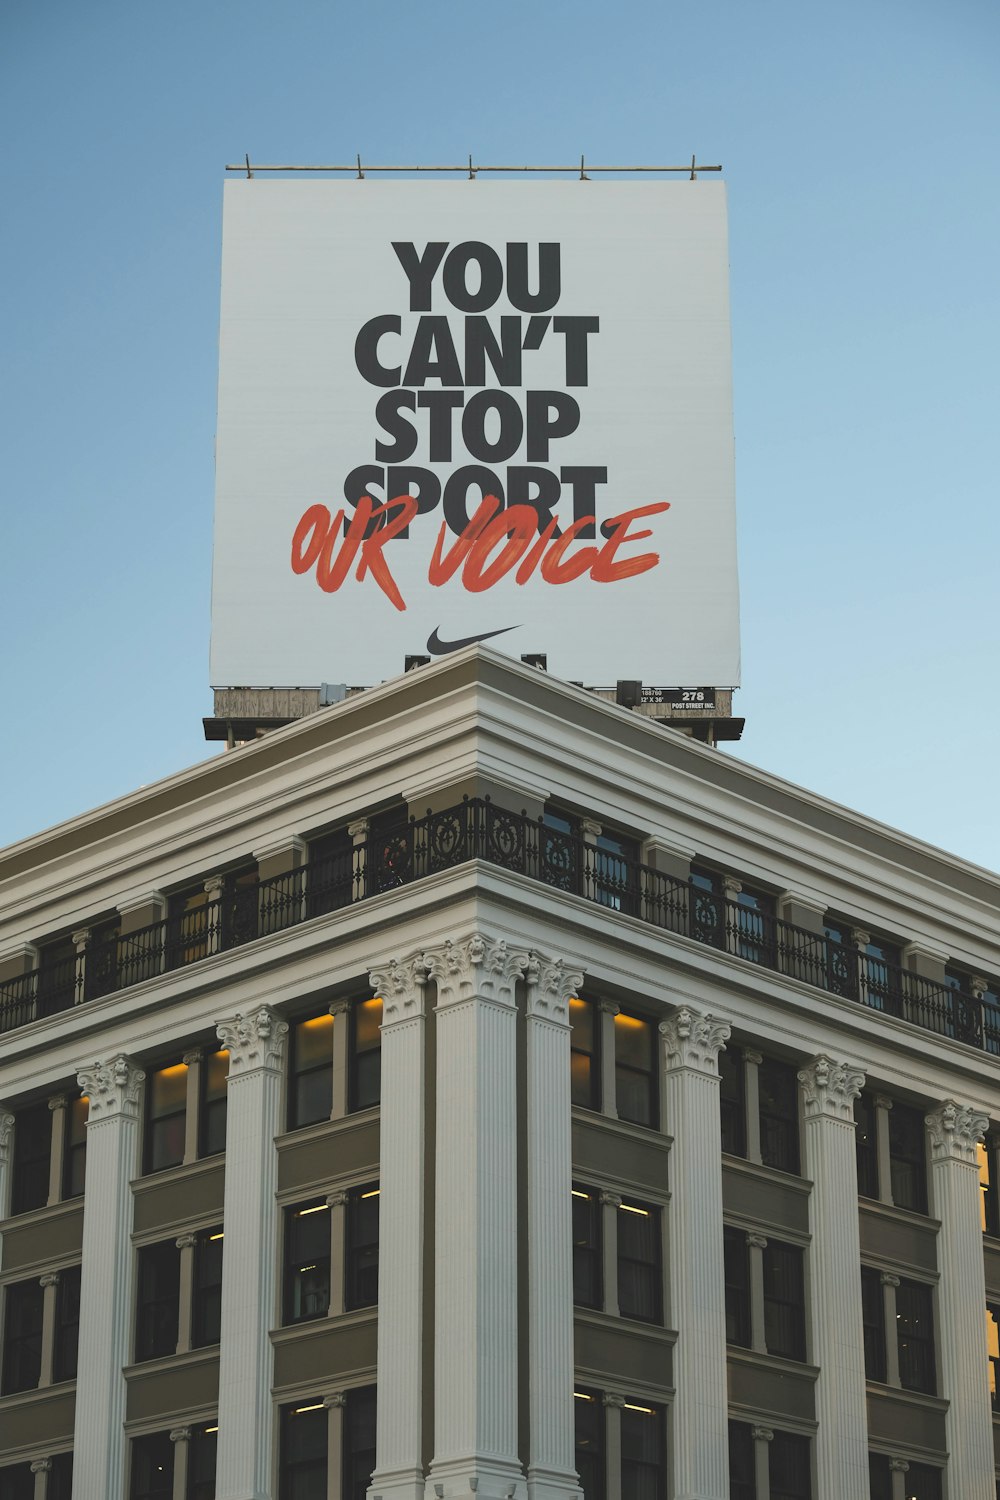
(477, 829)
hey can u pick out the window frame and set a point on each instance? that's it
(66, 1333)
(644, 1078)
(357, 1275)
(648, 1270)
(291, 1289)
(22, 1352)
(158, 1128)
(157, 1312)
(588, 1250)
(31, 1168)
(789, 1308)
(206, 1290)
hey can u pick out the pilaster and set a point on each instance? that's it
(334, 1402)
(340, 1010)
(41, 1468)
(50, 1292)
(186, 1244)
(6, 1135)
(691, 1044)
(58, 1106)
(181, 1439)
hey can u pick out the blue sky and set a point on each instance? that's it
(859, 147)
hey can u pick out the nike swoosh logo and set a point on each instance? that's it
(437, 647)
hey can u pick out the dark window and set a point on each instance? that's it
(880, 982)
(158, 1305)
(788, 1461)
(361, 1251)
(166, 1113)
(206, 1312)
(873, 1322)
(187, 926)
(907, 1158)
(588, 1284)
(152, 1467)
(67, 1330)
(707, 909)
(584, 1061)
(915, 1337)
(101, 960)
(201, 1463)
(75, 1150)
(737, 1264)
(742, 1471)
(615, 858)
(923, 1482)
(302, 1463)
(732, 1101)
(784, 1301)
(310, 1071)
(991, 1018)
(359, 1442)
(559, 851)
(366, 1054)
(841, 960)
(879, 1476)
(330, 877)
(389, 860)
(307, 1262)
(239, 908)
(214, 1095)
(56, 976)
(643, 1452)
(993, 1347)
(639, 1275)
(588, 1410)
(779, 1115)
(989, 1218)
(17, 1482)
(753, 915)
(32, 1152)
(866, 1145)
(22, 1341)
(60, 1485)
(635, 1069)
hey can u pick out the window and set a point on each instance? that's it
(584, 1058)
(67, 1330)
(361, 1253)
(359, 1443)
(737, 1272)
(589, 1421)
(879, 1477)
(366, 1054)
(206, 1311)
(742, 1468)
(751, 1085)
(307, 1262)
(615, 858)
(752, 915)
(212, 1104)
(922, 1481)
(732, 1095)
(166, 1115)
(32, 1152)
(915, 1337)
(60, 1485)
(708, 923)
(101, 959)
(152, 1467)
(303, 1457)
(330, 877)
(56, 976)
(635, 1069)
(559, 851)
(187, 927)
(777, 1084)
(643, 1452)
(238, 908)
(841, 959)
(17, 1482)
(993, 1347)
(866, 1145)
(881, 986)
(22, 1343)
(789, 1467)
(75, 1148)
(310, 1077)
(201, 1463)
(988, 1214)
(784, 1301)
(588, 1283)
(907, 1158)
(873, 1323)
(158, 1301)
(639, 1261)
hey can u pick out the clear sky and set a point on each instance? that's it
(859, 143)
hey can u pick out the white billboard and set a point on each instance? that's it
(474, 410)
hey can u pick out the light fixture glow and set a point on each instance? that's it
(320, 1208)
(373, 1194)
(317, 1406)
(627, 1208)
(215, 1237)
(647, 1409)
(578, 1194)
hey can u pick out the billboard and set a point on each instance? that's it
(467, 410)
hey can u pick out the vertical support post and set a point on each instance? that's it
(334, 1403)
(357, 832)
(81, 941)
(613, 1403)
(609, 1086)
(106, 1291)
(181, 1439)
(256, 1044)
(475, 1346)
(58, 1106)
(697, 1275)
(551, 1467)
(41, 1468)
(898, 1470)
(610, 1204)
(751, 1087)
(6, 1131)
(889, 1283)
(50, 1291)
(756, 1245)
(185, 1302)
(883, 1104)
(954, 1135)
(762, 1438)
(399, 1472)
(731, 889)
(830, 1090)
(590, 832)
(337, 1204)
(213, 924)
(194, 1063)
(340, 1010)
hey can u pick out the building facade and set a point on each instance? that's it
(477, 1088)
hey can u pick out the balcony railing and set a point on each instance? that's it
(476, 829)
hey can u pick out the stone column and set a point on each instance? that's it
(883, 1104)
(50, 1292)
(613, 1403)
(898, 1470)
(181, 1439)
(213, 925)
(610, 1205)
(6, 1131)
(186, 1244)
(41, 1468)
(106, 1290)
(888, 1282)
(590, 832)
(751, 1091)
(731, 889)
(762, 1439)
(697, 1274)
(476, 1210)
(194, 1063)
(830, 1090)
(954, 1134)
(337, 1204)
(756, 1245)
(551, 1466)
(399, 1473)
(81, 942)
(335, 1403)
(58, 1106)
(256, 1044)
(340, 1010)
(357, 832)
(607, 1010)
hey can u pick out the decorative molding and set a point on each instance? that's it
(340, 1007)
(400, 986)
(830, 1088)
(755, 1058)
(180, 1434)
(955, 1132)
(335, 1398)
(254, 1040)
(756, 1241)
(882, 1101)
(357, 831)
(551, 986)
(112, 1088)
(58, 1101)
(609, 1200)
(898, 1466)
(613, 1399)
(288, 843)
(213, 887)
(609, 1007)
(190, 1058)
(476, 967)
(694, 1041)
(6, 1127)
(80, 940)
(186, 1241)
(140, 901)
(762, 1434)
(41, 1465)
(337, 1200)
(51, 1278)
(888, 1279)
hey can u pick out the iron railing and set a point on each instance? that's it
(477, 829)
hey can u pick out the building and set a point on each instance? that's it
(475, 1085)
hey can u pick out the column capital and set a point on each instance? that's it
(400, 985)
(335, 1398)
(756, 1241)
(51, 1278)
(475, 967)
(186, 1241)
(357, 831)
(612, 1398)
(58, 1101)
(336, 1200)
(112, 1088)
(213, 886)
(609, 1007)
(882, 1101)
(830, 1088)
(955, 1132)
(6, 1128)
(81, 938)
(255, 1041)
(609, 1200)
(180, 1434)
(41, 1465)
(551, 986)
(888, 1279)
(194, 1056)
(694, 1041)
(898, 1466)
(341, 1006)
(762, 1434)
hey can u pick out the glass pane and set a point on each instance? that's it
(581, 1019)
(367, 1025)
(633, 1042)
(168, 1090)
(314, 1042)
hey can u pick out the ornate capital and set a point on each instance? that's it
(51, 1278)
(478, 968)
(612, 1398)
(6, 1127)
(400, 985)
(830, 1089)
(334, 1398)
(41, 1465)
(609, 1200)
(756, 1241)
(340, 1007)
(609, 1007)
(112, 1088)
(191, 1058)
(186, 1241)
(750, 1056)
(58, 1101)
(254, 1041)
(551, 986)
(213, 887)
(336, 1200)
(694, 1041)
(888, 1279)
(955, 1132)
(762, 1434)
(81, 939)
(898, 1466)
(180, 1434)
